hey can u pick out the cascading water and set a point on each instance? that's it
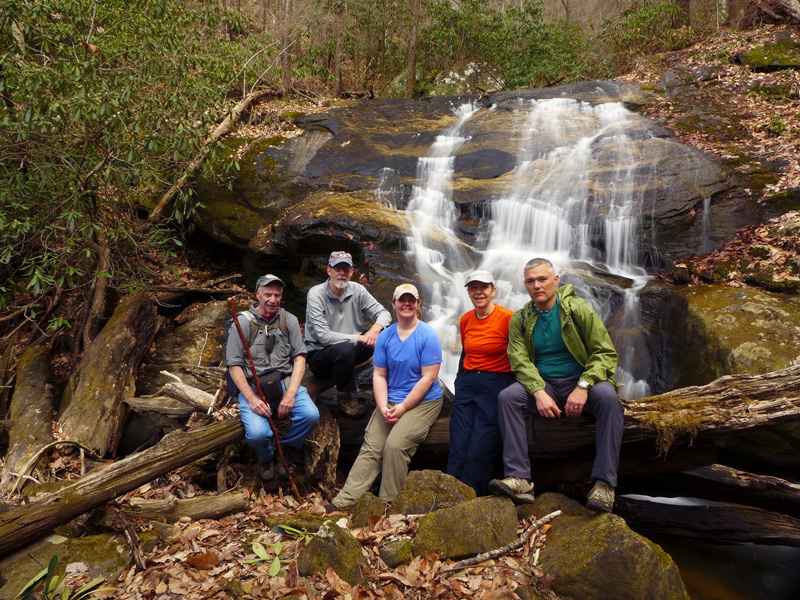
(556, 206)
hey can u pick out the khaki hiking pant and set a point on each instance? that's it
(387, 451)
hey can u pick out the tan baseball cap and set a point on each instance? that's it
(405, 288)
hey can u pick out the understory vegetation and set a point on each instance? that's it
(104, 105)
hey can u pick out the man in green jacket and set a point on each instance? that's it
(564, 362)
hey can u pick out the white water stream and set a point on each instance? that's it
(552, 208)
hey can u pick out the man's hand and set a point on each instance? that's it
(287, 404)
(258, 406)
(576, 401)
(370, 337)
(546, 406)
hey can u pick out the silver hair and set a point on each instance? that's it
(536, 262)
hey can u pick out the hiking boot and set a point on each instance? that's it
(350, 406)
(268, 471)
(518, 489)
(601, 498)
(280, 471)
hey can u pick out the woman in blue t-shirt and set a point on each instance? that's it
(405, 382)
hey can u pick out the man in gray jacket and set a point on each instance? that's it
(335, 336)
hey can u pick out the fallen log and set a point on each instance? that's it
(172, 509)
(95, 412)
(655, 427)
(25, 523)
(31, 410)
(723, 484)
(710, 522)
(28, 522)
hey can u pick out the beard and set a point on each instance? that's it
(340, 284)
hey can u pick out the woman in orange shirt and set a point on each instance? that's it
(475, 442)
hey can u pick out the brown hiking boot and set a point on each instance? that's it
(350, 406)
(601, 498)
(518, 489)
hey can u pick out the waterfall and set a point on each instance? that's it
(563, 203)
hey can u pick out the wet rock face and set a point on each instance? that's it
(347, 179)
(716, 330)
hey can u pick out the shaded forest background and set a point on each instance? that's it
(104, 106)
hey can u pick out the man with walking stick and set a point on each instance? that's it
(279, 358)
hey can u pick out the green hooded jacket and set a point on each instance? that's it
(584, 334)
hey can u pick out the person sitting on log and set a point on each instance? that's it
(408, 397)
(335, 339)
(484, 371)
(564, 362)
(279, 356)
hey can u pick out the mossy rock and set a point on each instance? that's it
(368, 506)
(781, 54)
(713, 331)
(423, 491)
(599, 557)
(107, 555)
(304, 521)
(397, 552)
(336, 548)
(468, 528)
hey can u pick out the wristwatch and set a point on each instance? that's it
(583, 384)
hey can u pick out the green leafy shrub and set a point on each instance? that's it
(101, 105)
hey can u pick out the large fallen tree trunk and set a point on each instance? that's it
(667, 433)
(95, 413)
(722, 484)
(31, 411)
(653, 425)
(710, 521)
(25, 523)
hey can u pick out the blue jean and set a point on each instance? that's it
(514, 403)
(475, 441)
(258, 433)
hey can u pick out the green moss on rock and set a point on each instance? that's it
(424, 491)
(717, 330)
(586, 555)
(468, 528)
(336, 548)
(397, 552)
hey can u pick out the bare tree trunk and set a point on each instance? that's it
(286, 62)
(337, 57)
(565, 4)
(221, 130)
(685, 7)
(411, 71)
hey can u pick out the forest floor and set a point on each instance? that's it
(216, 558)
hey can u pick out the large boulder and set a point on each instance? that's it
(713, 331)
(426, 491)
(597, 556)
(468, 528)
(294, 199)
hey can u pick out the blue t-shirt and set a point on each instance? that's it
(405, 359)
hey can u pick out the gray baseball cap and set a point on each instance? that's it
(267, 279)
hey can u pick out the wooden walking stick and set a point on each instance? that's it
(261, 394)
